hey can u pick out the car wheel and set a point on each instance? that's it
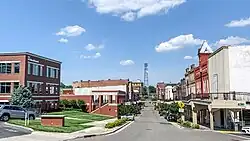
(5, 117)
(31, 117)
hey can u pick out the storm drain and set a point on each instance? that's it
(148, 129)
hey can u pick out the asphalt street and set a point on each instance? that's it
(151, 127)
(9, 131)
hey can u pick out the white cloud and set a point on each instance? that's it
(239, 23)
(188, 57)
(129, 16)
(63, 40)
(178, 42)
(68, 31)
(97, 55)
(130, 9)
(127, 62)
(90, 47)
(232, 40)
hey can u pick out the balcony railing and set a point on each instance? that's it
(239, 96)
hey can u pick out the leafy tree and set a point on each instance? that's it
(69, 86)
(62, 85)
(152, 89)
(144, 91)
(22, 96)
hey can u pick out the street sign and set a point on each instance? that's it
(181, 110)
(181, 104)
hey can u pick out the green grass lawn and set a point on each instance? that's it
(81, 115)
(70, 126)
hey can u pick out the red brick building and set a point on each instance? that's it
(160, 90)
(40, 74)
(101, 96)
(201, 71)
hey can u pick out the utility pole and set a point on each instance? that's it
(146, 77)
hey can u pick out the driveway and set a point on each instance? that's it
(10, 131)
(151, 127)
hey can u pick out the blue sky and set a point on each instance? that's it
(102, 39)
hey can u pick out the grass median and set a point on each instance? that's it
(74, 121)
(70, 125)
(81, 115)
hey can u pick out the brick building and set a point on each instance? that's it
(40, 74)
(101, 96)
(160, 90)
(201, 71)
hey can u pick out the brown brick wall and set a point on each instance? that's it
(12, 76)
(108, 110)
(52, 121)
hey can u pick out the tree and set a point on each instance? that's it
(69, 86)
(62, 85)
(152, 89)
(144, 91)
(22, 96)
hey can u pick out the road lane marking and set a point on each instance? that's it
(11, 130)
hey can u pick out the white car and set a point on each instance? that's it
(246, 130)
(130, 117)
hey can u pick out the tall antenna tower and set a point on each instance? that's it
(146, 76)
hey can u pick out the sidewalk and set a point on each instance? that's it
(98, 129)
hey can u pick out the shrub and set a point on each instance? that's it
(196, 126)
(81, 105)
(180, 120)
(118, 122)
(110, 125)
(73, 104)
(187, 124)
(65, 103)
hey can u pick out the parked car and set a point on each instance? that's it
(245, 130)
(15, 112)
(130, 117)
(171, 117)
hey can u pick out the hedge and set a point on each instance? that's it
(116, 123)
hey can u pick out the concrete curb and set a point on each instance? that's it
(228, 132)
(19, 126)
(101, 134)
(181, 127)
(176, 125)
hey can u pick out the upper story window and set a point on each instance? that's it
(5, 67)
(41, 70)
(52, 72)
(35, 70)
(16, 67)
(29, 68)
